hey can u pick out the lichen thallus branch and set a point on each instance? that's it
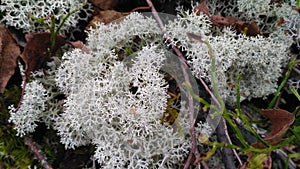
(53, 34)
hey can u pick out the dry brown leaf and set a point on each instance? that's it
(218, 20)
(201, 8)
(280, 122)
(106, 17)
(105, 4)
(9, 52)
(79, 45)
(248, 28)
(36, 49)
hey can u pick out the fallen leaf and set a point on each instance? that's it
(79, 45)
(201, 8)
(105, 4)
(36, 50)
(9, 52)
(248, 28)
(280, 122)
(106, 17)
(218, 20)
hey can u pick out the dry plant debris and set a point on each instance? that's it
(105, 4)
(9, 52)
(36, 49)
(281, 120)
(249, 28)
(106, 17)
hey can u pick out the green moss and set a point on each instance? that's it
(13, 152)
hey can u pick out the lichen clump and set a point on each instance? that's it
(116, 102)
(21, 14)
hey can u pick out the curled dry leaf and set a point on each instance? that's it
(280, 122)
(105, 4)
(37, 48)
(9, 52)
(106, 17)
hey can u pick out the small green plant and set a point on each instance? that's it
(54, 30)
(291, 64)
(258, 154)
(295, 92)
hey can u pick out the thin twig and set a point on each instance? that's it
(210, 92)
(205, 166)
(278, 101)
(222, 131)
(22, 93)
(188, 160)
(283, 155)
(194, 150)
(37, 152)
(230, 142)
(226, 152)
(223, 128)
(141, 8)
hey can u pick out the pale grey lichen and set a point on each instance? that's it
(260, 60)
(19, 13)
(254, 8)
(39, 104)
(31, 110)
(117, 104)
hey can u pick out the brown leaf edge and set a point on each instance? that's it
(281, 120)
(202, 8)
(79, 45)
(248, 28)
(9, 52)
(36, 53)
(106, 17)
(36, 50)
(105, 4)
